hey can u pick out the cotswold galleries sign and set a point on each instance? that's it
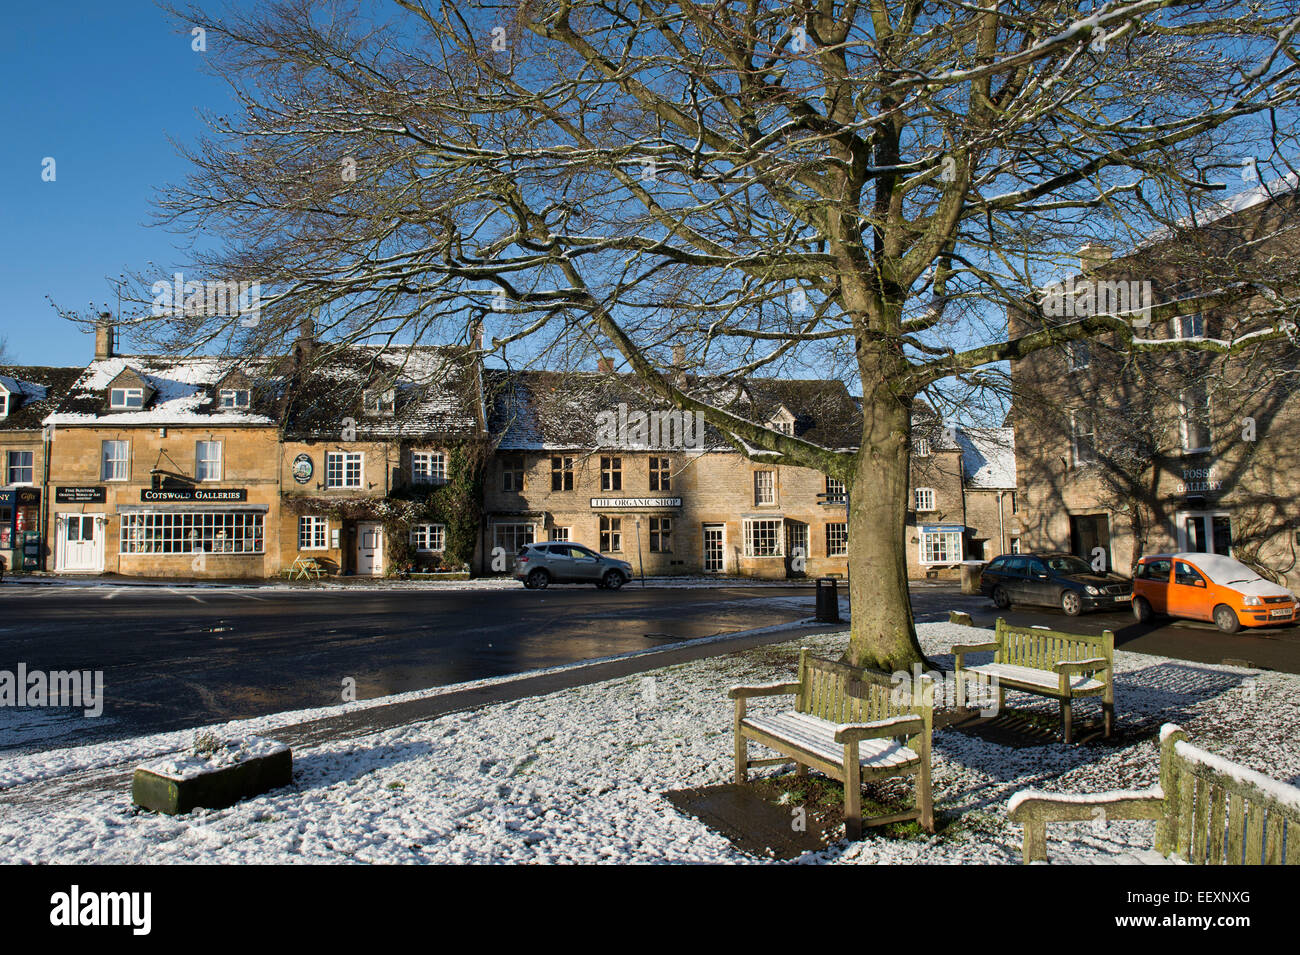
(205, 495)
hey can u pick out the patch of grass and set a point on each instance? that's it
(396, 785)
(823, 798)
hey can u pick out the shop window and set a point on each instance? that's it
(661, 535)
(611, 535)
(940, 547)
(763, 537)
(837, 540)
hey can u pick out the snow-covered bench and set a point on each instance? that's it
(1208, 810)
(849, 724)
(1062, 666)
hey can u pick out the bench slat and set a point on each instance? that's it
(1236, 829)
(1214, 851)
(1254, 833)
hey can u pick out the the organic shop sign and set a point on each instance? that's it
(1199, 479)
(209, 495)
(611, 503)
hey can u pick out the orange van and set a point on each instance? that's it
(1210, 587)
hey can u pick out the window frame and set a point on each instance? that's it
(199, 460)
(748, 527)
(561, 472)
(917, 493)
(660, 473)
(234, 404)
(436, 471)
(513, 468)
(661, 535)
(611, 472)
(835, 536)
(346, 456)
(306, 521)
(104, 459)
(611, 533)
(1187, 419)
(923, 549)
(429, 533)
(1076, 417)
(124, 404)
(758, 487)
(10, 468)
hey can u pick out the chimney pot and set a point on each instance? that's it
(1092, 255)
(605, 365)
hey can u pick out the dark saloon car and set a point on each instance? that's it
(1053, 580)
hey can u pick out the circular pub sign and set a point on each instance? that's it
(303, 468)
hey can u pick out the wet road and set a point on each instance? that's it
(174, 657)
(179, 657)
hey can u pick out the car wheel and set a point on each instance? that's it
(1000, 598)
(613, 580)
(1071, 603)
(1225, 618)
(538, 579)
(1141, 610)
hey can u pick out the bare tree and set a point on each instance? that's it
(860, 187)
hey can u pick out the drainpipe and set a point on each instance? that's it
(46, 538)
(1002, 534)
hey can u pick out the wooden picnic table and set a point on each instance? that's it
(305, 568)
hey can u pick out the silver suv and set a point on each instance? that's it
(560, 562)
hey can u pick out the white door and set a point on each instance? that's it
(715, 548)
(370, 549)
(1206, 532)
(80, 543)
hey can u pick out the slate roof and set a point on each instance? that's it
(988, 457)
(436, 392)
(547, 410)
(185, 392)
(39, 387)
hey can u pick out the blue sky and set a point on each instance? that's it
(99, 87)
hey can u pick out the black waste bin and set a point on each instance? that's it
(828, 600)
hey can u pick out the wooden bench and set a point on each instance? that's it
(1062, 666)
(845, 723)
(1208, 810)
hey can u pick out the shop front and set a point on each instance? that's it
(22, 546)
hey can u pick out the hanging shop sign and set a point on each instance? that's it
(303, 468)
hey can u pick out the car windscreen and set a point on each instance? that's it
(1068, 565)
(1225, 570)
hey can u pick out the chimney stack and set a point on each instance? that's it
(1093, 255)
(104, 336)
(605, 365)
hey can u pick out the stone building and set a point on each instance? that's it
(27, 395)
(1122, 453)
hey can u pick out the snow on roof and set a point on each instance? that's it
(988, 457)
(183, 393)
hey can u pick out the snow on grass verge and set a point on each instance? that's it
(578, 775)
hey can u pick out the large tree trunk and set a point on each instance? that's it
(883, 634)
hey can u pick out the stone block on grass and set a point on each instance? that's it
(216, 774)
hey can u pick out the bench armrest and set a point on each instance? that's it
(763, 689)
(1034, 810)
(974, 647)
(1091, 665)
(878, 729)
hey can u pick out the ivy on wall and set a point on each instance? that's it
(457, 505)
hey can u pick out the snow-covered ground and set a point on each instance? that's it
(578, 776)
